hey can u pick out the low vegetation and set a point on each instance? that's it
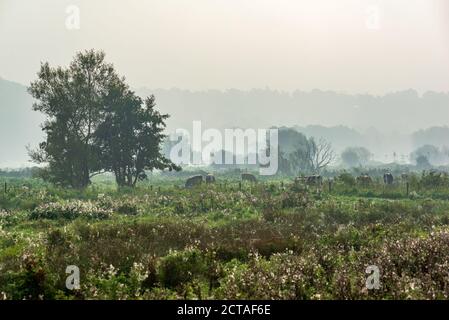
(271, 240)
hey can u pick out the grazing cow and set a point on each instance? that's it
(364, 179)
(249, 177)
(388, 178)
(210, 178)
(194, 181)
(314, 180)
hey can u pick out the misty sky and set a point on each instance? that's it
(218, 44)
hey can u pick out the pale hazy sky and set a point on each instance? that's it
(218, 44)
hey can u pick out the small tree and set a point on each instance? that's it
(355, 156)
(320, 154)
(297, 154)
(422, 162)
(430, 152)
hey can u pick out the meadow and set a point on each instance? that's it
(228, 240)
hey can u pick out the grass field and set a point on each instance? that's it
(273, 240)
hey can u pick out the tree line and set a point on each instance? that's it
(94, 123)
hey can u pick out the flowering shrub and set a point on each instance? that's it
(181, 267)
(70, 210)
(284, 276)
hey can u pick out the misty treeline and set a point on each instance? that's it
(300, 154)
(19, 173)
(216, 109)
(95, 124)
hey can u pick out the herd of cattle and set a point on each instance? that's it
(316, 180)
(365, 179)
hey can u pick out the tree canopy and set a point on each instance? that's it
(95, 123)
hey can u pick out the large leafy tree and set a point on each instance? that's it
(72, 99)
(130, 136)
(94, 123)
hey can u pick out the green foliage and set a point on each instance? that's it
(95, 123)
(130, 137)
(434, 179)
(347, 179)
(268, 241)
(180, 267)
(70, 210)
(72, 100)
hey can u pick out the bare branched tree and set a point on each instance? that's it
(299, 155)
(320, 154)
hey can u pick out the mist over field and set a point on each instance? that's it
(394, 123)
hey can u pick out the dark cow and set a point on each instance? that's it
(364, 179)
(248, 177)
(194, 181)
(388, 178)
(314, 180)
(210, 178)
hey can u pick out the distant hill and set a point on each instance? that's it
(437, 136)
(340, 136)
(383, 124)
(403, 111)
(19, 125)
